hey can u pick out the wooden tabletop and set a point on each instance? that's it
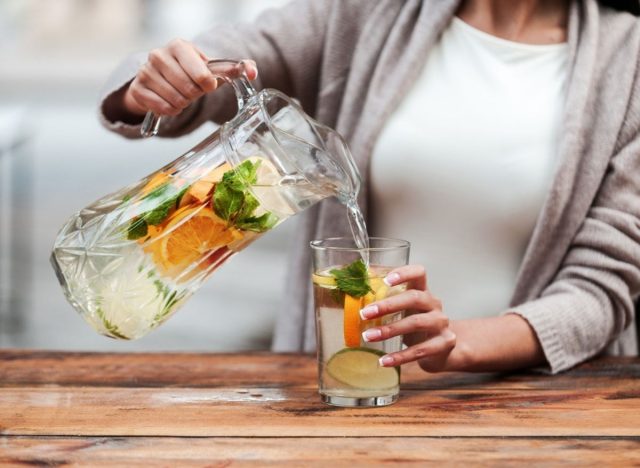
(262, 408)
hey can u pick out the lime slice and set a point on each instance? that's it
(323, 280)
(358, 367)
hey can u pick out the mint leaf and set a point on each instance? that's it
(247, 172)
(171, 200)
(353, 279)
(227, 201)
(137, 229)
(109, 326)
(159, 214)
(249, 205)
(233, 201)
(257, 223)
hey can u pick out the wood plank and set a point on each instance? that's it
(31, 368)
(18, 367)
(297, 411)
(219, 452)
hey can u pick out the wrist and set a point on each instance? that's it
(119, 106)
(463, 356)
(495, 344)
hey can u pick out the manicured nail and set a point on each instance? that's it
(368, 312)
(371, 334)
(385, 361)
(391, 279)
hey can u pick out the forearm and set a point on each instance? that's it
(493, 344)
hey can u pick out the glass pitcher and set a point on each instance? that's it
(128, 261)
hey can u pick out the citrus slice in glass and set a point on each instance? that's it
(359, 368)
(352, 326)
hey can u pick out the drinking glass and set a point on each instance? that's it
(348, 370)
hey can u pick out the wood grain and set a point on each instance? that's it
(127, 409)
(23, 367)
(338, 452)
(263, 412)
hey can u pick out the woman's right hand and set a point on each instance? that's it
(172, 78)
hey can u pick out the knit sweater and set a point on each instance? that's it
(350, 62)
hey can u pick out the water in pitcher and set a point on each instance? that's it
(130, 260)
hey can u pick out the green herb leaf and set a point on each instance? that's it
(159, 214)
(227, 201)
(109, 326)
(249, 205)
(257, 224)
(137, 229)
(247, 172)
(353, 279)
(233, 201)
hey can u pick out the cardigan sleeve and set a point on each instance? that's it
(286, 44)
(590, 300)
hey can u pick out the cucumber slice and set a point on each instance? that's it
(358, 368)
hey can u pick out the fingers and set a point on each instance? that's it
(151, 79)
(140, 99)
(412, 299)
(414, 275)
(251, 69)
(174, 74)
(191, 61)
(436, 348)
(173, 77)
(431, 323)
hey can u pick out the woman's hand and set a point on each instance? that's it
(172, 78)
(425, 327)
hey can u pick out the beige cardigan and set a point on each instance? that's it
(350, 62)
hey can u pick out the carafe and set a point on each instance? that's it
(128, 261)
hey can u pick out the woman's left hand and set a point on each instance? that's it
(425, 327)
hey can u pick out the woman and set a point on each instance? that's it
(528, 113)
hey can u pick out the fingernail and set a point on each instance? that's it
(391, 279)
(385, 361)
(371, 334)
(368, 312)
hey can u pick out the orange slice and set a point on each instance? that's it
(199, 192)
(190, 234)
(353, 324)
(352, 306)
(158, 179)
(214, 176)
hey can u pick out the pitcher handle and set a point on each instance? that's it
(230, 71)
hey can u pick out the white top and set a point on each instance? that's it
(462, 167)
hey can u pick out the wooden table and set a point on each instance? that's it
(261, 408)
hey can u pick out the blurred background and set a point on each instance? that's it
(55, 158)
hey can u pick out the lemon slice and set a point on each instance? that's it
(271, 195)
(323, 280)
(267, 173)
(359, 368)
(380, 289)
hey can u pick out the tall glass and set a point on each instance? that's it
(348, 370)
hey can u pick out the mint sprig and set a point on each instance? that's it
(233, 201)
(170, 198)
(353, 279)
(109, 326)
